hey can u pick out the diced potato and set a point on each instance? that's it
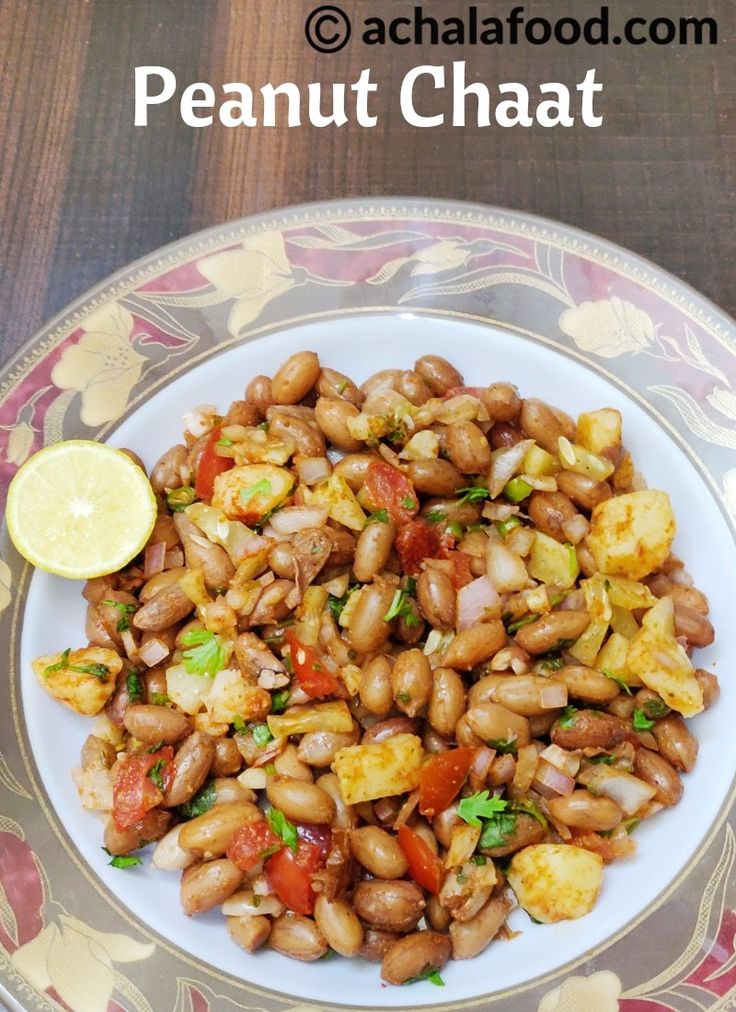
(597, 602)
(367, 427)
(251, 491)
(231, 696)
(255, 446)
(85, 691)
(461, 408)
(624, 475)
(631, 535)
(351, 675)
(612, 658)
(104, 728)
(538, 463)
(380, 769)
(309, 614)
(552, 562)
(657, 658)
(203, 722)
(335, 493)
(424, 445)
(463, 842)
(334, 716)
(94, 787)
(238, 540)
(624, 623)
(193, 585)
(187, 691)
(599, 431)
(556, 882)
(586, 648)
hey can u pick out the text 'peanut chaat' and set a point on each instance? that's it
(396, 658)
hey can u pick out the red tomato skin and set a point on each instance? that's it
(391, 490)
(415, 542)
(441, 779)
(291, 874)
(134, 794)
(249, 842)
(461, 574)
(424, 865)
(310, 674)
(210, 465)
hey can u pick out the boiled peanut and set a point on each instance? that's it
(437, 599)
(493, 722)
(391, 905)
(585, 492)
(345, 817)
(192, 765)
(368, 628)
(548, 511)
(354, 467)
(467, 447)
(260, 393)
(524, 694)
(501, 401)
(413, 955)
(319, 748)
(470, 938)
(298, 937)
(526, 831)
(207, 885)
(544, 425)
(676, 743)
(708, 683)
(434, 477)
(228, 761)
(376, 944)
(411, 680)
(339, 924)
(295, 378)
(655, 770)
(167, 471)
(331, 416)
(372, 550)
(438, 373)
(375, 689)
(250, 931)
(474, 645)
(379, 852)
(582, 810)
(447, 701)
(153, 724)
(152, 827)
(300, 801)
(307, 437)
(590, 729)
(694, 626)
(587, 684)
(289, 764)
(332, 383)
(209, 835)
(543, 635)
(168, 606)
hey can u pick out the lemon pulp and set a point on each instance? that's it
(80, 509)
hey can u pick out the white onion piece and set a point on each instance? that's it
(551, 782)
(338, 585)
(313, 469)
(174, 558)
(153, 651)
(562, 759)
(153, 561)
(130, 645)
(574, 600)
(629, 792)
(262, 886)
(201, 420)
(576, 528)
(505, 569)
(476, 602)
(292, 519)
(541, 483)
(505, 465)
(481, 764)
(499, 510)
(553, 696)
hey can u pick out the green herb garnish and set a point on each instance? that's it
(261, 735)
(283, 828)
(641, 722)
(239, 725)
(434, 516)
(504, 746)
(521, 622)
(262, 487)
(179, 498)
(159, 699)
(498, 829)
(602, 760)
(125, 610)
(202, 801)
(567, 718)
(473, 493)
(408, 503)
(154, 774)
(624, 686)
(134, 685)
(224, 441)
(122, 860)
(379, 517)
(206, 655)
(655, 708)
(100, 671)
(480, 805)
(517, 490)
(479, 859)
(432, 975)
(504, 527)
(279, 700)
(401, 607)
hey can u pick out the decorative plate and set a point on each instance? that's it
(369, 285)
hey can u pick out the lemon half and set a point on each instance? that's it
(80, 509)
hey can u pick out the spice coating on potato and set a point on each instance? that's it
(631, 535)
(556, 882)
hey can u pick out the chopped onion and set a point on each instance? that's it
(576, 528)
(551, 782)
(389, 455)
(562, 759)
(520, 540)
(130, 645)
(480, 767)
(463, 842)
(629, 792)
(154, 559)
(292, 519)
(574, 600)
(527, 760)
(313, 469)
(245, 902)
(499, 510)
(513, 657)
(338, 585)
(276, 747)
(553, 696)
(407, 809)
(262, 886)
(477, 602)
(153, 651)
(174, 558)
(506, 570)
(253, 778)
(541, 483)
(505, 465)
(201, 420)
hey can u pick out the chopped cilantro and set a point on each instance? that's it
(125, 610)
(624, 686)
(159, 699)
(521, 622)
(504, 527)
(264, 426)
(498, 829)
(655, 708)
(262, 487)
(379, 517)
(401, 607)
(561, 645)
(411, 585)
(504, 746)
(239, 725)
(474, 493)
(480, 805)
(641, 722)
(279, 700)
(434, 516)
(202, 801)
(134, 685)
(206, 655)
(432, 975)
(605, 759)
(630, 824)
(479, 859)
(270, 769)
(122, 860)
(179, 498)
(552, 663)
(408, 503)
(283, 828)
(529, 808)
(154, 774)
(261, 735)
(224, 441)
(567, 718)
(100, 671)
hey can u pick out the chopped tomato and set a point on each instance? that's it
(414, 543)
(210, 465)
(424, 865)
(291, 874)
(461, 573)
(389, 489)
(136, 789)
(441, 778)
(309, 671)
(252, 844)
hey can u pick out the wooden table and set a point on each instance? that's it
(83, 191)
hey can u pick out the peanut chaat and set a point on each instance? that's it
(396, 658)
